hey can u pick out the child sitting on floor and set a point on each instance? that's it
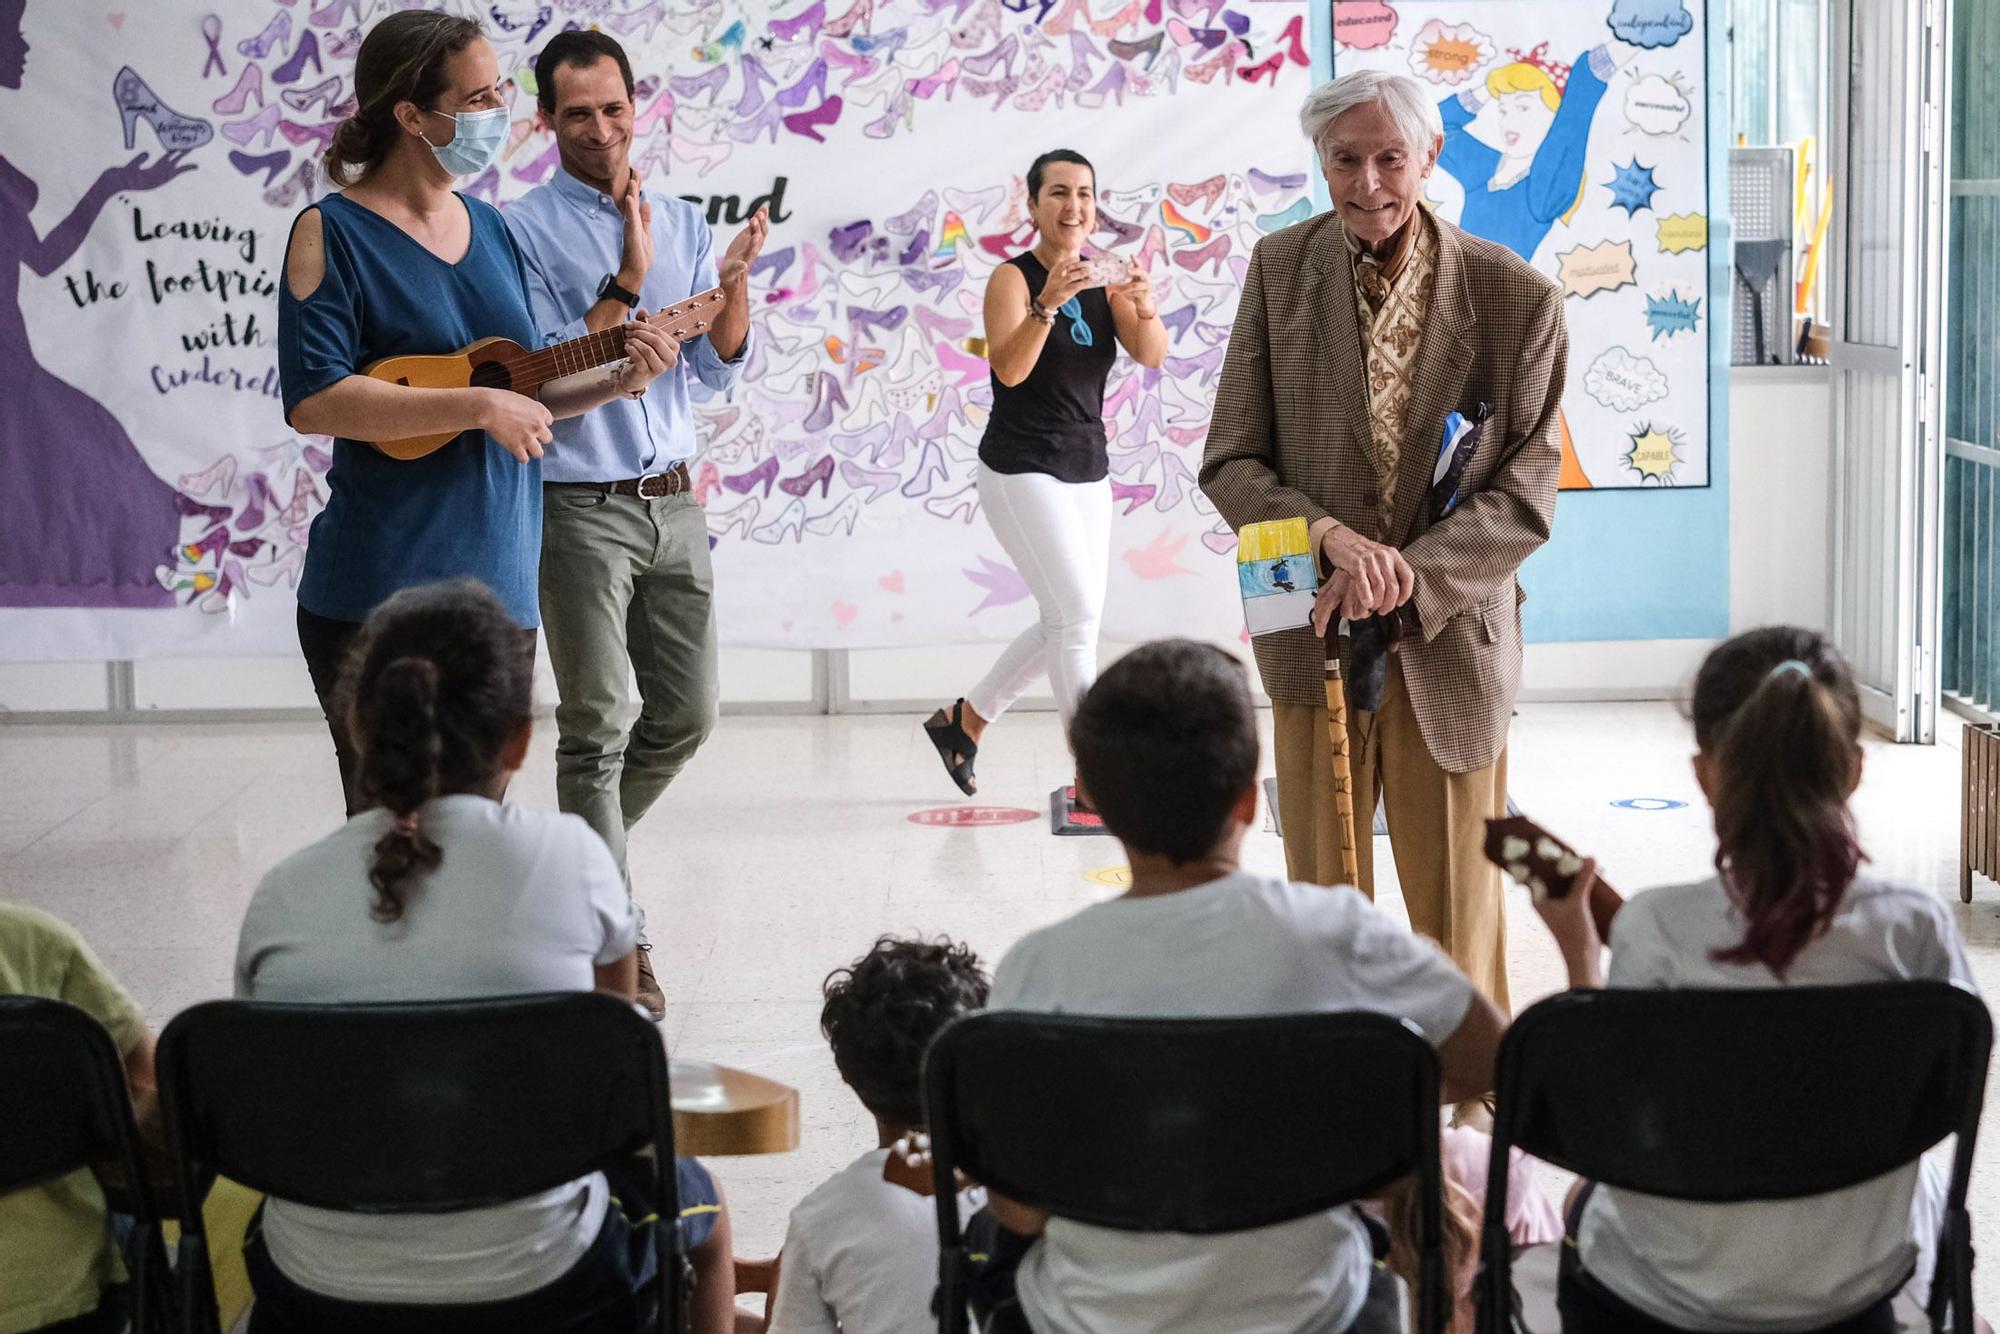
(861, 1250)
(1166, 748)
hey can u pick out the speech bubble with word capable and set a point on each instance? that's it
(1683, 231)
(1588, 270)
(1655, 453)
(1449, 53)
(1657, 105)
(1623, 381)
(1650, 22)
(1364, 25)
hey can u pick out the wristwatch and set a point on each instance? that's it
(609, 290)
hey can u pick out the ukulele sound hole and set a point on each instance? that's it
(491, 375)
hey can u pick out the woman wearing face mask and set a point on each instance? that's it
(396, 263)
(1053, 330)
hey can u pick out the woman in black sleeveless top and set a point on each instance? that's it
(1052, 333)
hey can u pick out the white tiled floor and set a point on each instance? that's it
(783, 851)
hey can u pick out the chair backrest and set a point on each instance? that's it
(1722, 1096)
(420, 1108)
(63, 1101)
(1181, 1125)
(64, 1106)
(1729, 1095)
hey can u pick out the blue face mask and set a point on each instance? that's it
(475, 143)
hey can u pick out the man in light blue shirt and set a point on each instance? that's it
(626, 586)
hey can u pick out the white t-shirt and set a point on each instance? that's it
(1241, 945)
(523, 901)
(1778, 1265)
(861, 1255)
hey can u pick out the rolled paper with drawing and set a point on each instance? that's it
(1588, 270)
(1276, 574)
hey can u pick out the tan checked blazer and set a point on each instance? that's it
(1289, 440)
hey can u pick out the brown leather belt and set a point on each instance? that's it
(655, 485)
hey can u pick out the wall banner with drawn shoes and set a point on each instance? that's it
(155, 503)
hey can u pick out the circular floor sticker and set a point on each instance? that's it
(1111, 877)
(1648, 804)
(973, 817)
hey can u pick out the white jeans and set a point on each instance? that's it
(1058, 534)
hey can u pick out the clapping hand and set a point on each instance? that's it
(743, 251)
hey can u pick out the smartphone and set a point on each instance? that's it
(1107, 270)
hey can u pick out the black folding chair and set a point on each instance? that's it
(416, 1109)
(1731, 1095)
(1182, 1125)
(64, 1106)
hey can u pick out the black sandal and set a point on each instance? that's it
(954, 747)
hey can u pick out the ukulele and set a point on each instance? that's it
(500, 363)
(1547, 866)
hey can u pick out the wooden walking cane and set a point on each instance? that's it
(1343, 769)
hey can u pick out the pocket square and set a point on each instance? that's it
(1462, 435)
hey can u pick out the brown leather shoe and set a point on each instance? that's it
(649, 993)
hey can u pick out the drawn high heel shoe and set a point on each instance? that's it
(860, 15)
(1195, 233)
(285, 567)
(826, 394)
(344, 45)
(755, 80)
(1205, 365)
(645, 20)
(934, 326)
(1133, 496)
(962, 504)
(876, 482)
(1149, 48)
(264, 123)
(854, 442)
(191, 582)
(1201, 194)
(984, 26)
(841, 517)
(1223, 62)
(917, 215)
(1300, 210)
(1124, 18)
(738, 518)
(257, 489)
(307, 49)
(1121, 233)
(715, 51)
(857, 66)
(1215, 252)
(1115, 401)
(1154, 248)
(217, 476)
(1267, 68)
(276, 33)
(270, 163)
(774, 263)
(789, 523)
(945, 77)
(864, 321)
(1037, 94)
(811, 85)
(809, 123)
(661, 111)
(250, 83)
(195, 552)
(301, 100)
(743, 483)
(686, 86)
(901, 115)
(930, 472)
(328, 14)
(177, 133)
(748, 129)
(820, 475)
(302, 184)
(810, 22)
(707, 481)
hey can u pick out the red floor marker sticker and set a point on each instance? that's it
(972, 817)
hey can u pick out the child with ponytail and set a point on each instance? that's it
(437, 891)
(1777, 723)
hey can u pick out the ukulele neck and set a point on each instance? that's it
(535, 369)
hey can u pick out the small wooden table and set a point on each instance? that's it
(720, 1112)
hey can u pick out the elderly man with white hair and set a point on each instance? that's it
(1364, 338)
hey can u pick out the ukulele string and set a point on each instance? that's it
(548, 363)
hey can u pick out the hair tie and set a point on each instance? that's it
(1793, 665)
(406, 824)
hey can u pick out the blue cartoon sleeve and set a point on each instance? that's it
(1466, 158)
(1558, 171)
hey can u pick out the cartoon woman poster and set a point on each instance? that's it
(1518, 150)
(83, 519)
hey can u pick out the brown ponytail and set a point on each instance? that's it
(401, 60)
(1777, 714)
(435, 687)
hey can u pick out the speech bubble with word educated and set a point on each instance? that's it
(1671, 315)
(1449, 53)
(1655, 453)
(1588, 270)
(1680, 232)
(1657, 105)
(1623, 381)
(1364, 25)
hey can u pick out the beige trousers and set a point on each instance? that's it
(1436, 825)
